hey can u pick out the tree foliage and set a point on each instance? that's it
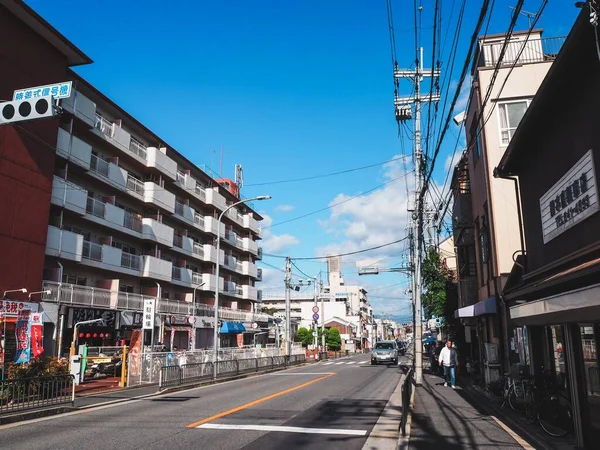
(305, 336)
(435, 274)
(334, 341)
(267, 310)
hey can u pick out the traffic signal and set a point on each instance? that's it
(29, 109)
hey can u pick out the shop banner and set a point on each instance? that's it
(135, 350)
(36, 331)
(23, 350)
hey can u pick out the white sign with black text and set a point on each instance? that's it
(571, 200)
(148, 321)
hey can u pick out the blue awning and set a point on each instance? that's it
(429, 340)
(232, 327)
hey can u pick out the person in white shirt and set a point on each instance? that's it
(449, 360)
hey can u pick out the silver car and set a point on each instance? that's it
(386, 352)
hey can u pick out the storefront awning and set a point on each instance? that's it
(487, 306)
(232, 328)
(581, 305)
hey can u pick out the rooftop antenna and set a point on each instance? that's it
(527, 14)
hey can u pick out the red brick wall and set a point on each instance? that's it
(26, 156)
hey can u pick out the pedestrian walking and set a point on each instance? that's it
(449, 360)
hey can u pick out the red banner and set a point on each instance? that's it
(135, 350)
(37, 335)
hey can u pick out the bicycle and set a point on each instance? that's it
(552, 410)
(514, 390)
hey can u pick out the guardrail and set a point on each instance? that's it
(407, 387)
(30, 393)
(173, 376)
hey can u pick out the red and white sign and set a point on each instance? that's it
(315, 309)
(37, 335)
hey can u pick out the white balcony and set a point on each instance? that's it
(250, 269)
(239, 267)
(249, 293)
(230, 237)
(160, 161)
(64, 244)
(155, 231)
(236, 216)
(135, 187)
(185, 181)
(214, 198)
(251, 223)
(69, 195)
(153, 267)
(210, 254)
(250, 246)
(184, 244)
(109, 172)
(110, 258)
(199, 221)
(184, 211)
(210, 226)
(230, 262)
(80, 106)
(120, 138)
(111, 216)
(210, 282)
(159, 196)
(73, 149)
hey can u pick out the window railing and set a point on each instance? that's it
(176, 273)
(130, 261)
(99, 166)
(92, 251)
(132, 222)
(135, 185)
(138, 148)
(95, 207)
(104, 125)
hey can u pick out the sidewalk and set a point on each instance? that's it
(445, 418)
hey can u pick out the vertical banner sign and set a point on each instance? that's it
(135, 348)
(148, 322)
(36, 331)
(23, 351)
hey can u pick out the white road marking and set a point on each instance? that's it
(328, 363)
(337, 364)
(513, 435)
(362, 362)
(272, 428)
(282, 374)
(351, 362)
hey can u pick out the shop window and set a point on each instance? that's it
(511, 114)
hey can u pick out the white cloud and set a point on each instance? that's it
(275, 243)
(463, 98)
(370, 220)
(452, 161)
(284, 208)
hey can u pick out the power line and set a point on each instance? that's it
(336, 204)
(339, 254)
(314, 177)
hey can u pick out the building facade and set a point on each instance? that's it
(553, 294)
(104, 214)
(485, 216)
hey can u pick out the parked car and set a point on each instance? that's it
(385, 351)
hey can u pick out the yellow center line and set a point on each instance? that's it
(257, 402)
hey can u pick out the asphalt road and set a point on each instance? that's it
(327, 405)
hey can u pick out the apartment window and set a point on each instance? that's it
(72, 279)
(126, 288)
(475, 141)
(126, 248)
(511, 114)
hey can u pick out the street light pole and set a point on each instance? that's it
(216, 315)
(194, 316)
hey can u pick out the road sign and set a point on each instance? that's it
(315, 309)
(148, 321)
(57, 90)
(315, 317)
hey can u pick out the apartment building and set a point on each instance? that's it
(485, 215)
(104, 214)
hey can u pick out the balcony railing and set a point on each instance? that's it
(200, 191)
(199, 220)
(135, 185)
(91, 251)
(230, 261)
(176, 273)
(197, 249)
(238, 290)
(104, 125)
(137, 148)
(132, 221)
(239, 266)
(196, 278)
(131, 261)
(181, 177)
(95, 207)
(99, 166)
(178, 240)
(179, 208)
(230, 236)
(534, 51)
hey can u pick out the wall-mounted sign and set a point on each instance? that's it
(571, 200)
(148, 321)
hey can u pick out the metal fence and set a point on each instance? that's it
(30, 393)
(146, 368)
(171, 376)
(407, 388)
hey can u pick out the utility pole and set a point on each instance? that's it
(404, 113)
(288, 309)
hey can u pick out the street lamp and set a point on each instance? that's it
(216, 325)
(24, 291)
(47, 292)
(194, 316)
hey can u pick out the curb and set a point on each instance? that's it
(35, 414)
(403, 441)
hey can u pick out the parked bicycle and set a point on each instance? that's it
(514, 389)
(549, 407)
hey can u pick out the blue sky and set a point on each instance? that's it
(288, 89)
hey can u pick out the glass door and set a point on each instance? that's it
(590, 334)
